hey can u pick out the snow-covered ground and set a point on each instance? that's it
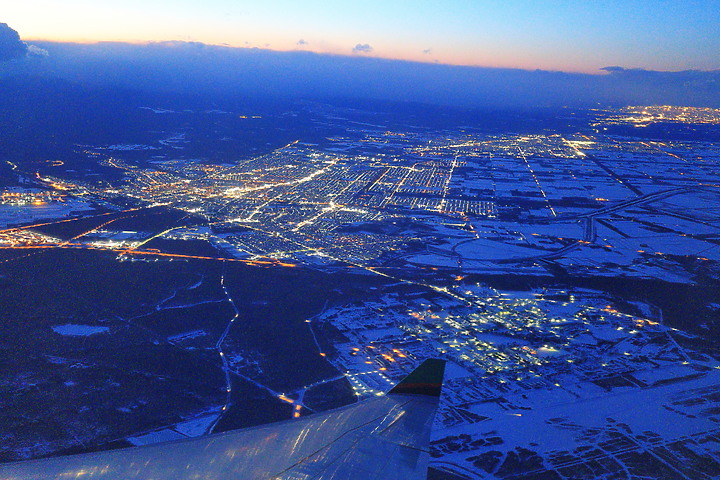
(74, 330)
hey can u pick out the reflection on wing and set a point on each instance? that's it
(385, 437)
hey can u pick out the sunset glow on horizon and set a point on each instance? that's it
(669, 35)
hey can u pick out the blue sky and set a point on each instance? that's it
(577, 35)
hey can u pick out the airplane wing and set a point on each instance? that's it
(380, 438)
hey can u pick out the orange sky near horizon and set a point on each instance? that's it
(540, 34)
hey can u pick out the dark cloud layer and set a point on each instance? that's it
(203, 69)
(613, 69)
(11, 47)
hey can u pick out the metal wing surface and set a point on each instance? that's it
(385, 437)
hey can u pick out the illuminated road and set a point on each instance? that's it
(266, 263)
(270, 262)
(219, 348)
(537, 182)
(300, 394)
(312, 332)
(621, 180)
(240, 191)
(66, 243)
(446, 187)
(295, 398)
(36, 225)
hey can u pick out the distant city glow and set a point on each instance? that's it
(554, 35)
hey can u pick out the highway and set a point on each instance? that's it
(590, 233)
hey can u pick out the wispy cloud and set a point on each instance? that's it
(37, 51)
(301, 42)
(362, 48)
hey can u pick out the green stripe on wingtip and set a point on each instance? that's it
(426, 379)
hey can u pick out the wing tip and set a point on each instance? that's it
(427, 379)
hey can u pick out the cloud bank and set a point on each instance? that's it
(201, 69)
(11, 47)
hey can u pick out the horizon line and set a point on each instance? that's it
(599, 71)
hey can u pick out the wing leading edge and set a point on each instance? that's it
(385, 437)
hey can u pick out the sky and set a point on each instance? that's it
(564, 35)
